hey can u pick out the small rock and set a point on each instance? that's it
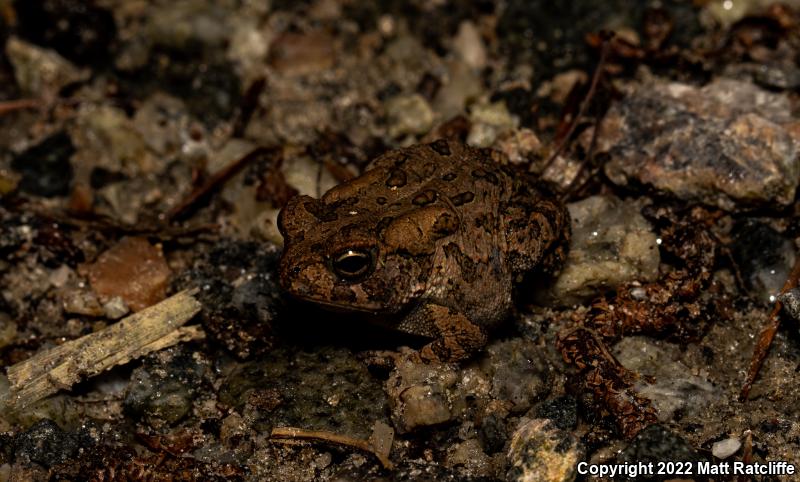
(728, 12)
(8, 330)
(81, 301)
(132, 269)
(419, 395)
(790, 302)
(764, 257)
(562, 84)
(520, 146)
(248, 47)
(165, 125)
(105, 137)
(723, 449)
(518, 372)
(469, 46)
(234, 428)
(471, 457)
(675, 388)
(164, 388)
(115, 308)
(299, 54)
(541, 452)
(181, 25)
(46, 168)
(705, 144)
(488, 122)
(611, 244)
(408, 114)
(461, 86)
(39, 72)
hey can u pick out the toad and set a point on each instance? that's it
(430, 239)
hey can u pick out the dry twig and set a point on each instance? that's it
(584, 105)
(293, 433)
(768, 333)
(213, 182)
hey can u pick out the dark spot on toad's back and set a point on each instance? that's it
(462, 198)
(441, 147)
(424, 198)
(397, 178)
(449, 176)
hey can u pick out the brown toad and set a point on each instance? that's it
(430, 239)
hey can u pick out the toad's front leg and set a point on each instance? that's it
(455, 336)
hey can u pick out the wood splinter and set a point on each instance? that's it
(59, 368)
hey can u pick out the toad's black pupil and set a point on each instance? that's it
(351, 263)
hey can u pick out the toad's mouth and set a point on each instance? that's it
(342, 307)
(373, 313)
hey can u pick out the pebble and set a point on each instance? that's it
(790, 302)
(517, 371)
(674, 389)
(489, 121)
(612, 244)
(408, 115)
(705, 144)
(302, 54)
(461, 85)
(115, 308)
(181, 24)
(469, 46)
(133, 270)
(471, 457)
(723, 449)
(420, 395)
(164, 388)
(510, 374)
(40, 72)
(541, 452)
(105, 137)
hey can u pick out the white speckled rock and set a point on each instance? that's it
(541, 452)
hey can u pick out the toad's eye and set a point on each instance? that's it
(353, 263)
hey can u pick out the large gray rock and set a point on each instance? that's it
(725, 144)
